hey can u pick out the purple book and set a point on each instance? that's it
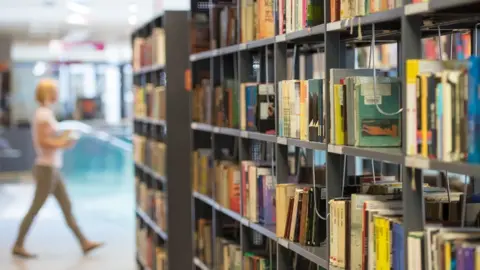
(469, 258)
(460, 261)
(268, 210)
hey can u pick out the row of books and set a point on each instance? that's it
(364, 110)
(347, 9)
(150, 152)
(146, 248)
(358, 102)
(252, 107)
(442, 109)
(444, 248)
(152, 202)
(366, 224)
(225, 23)
(201, 171)
(256, 183)
(301, 213)
(150, 101)
(201, 102)
(258, 189)
(294, 15)
(150, 50)
(301, 109)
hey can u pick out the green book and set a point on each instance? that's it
(372, 127)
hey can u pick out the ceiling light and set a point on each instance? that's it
(39, 69)
(76, 19)
(78, 8)
(132, 20)
(55, 46)
(133, 8)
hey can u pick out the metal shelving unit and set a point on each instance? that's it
(406, 26)
(175, 22)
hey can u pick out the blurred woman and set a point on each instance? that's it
(48, 147)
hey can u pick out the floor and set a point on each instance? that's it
(103, 201)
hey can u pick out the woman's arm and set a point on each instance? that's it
(47, 139)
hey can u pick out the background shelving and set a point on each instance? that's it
(162, 233)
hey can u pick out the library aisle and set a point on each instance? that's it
(101, 194)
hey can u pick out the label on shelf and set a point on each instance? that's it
(416, 8)
(245, 221)
(334, 26)
(282, 140)
(417, 162)
(283, 242)
(194, 125)
(215, 52)
(216, 129)
(280, 38)
(337, 149)
(242, 46)
(244, 134)
(188, 80)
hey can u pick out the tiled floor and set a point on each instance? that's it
(104, 210)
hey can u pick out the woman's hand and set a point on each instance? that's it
(66, 134)
(69, 143)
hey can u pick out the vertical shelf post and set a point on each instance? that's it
(413, 206)
(179, 142)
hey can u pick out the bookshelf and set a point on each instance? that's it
(162, 233)
(207, 216)
(405, 25)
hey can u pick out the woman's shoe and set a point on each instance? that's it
(89, 246)
(22, 253)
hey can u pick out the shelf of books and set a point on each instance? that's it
(157, 239)
(335, 135)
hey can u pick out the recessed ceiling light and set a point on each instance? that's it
(133, 8)
(78, 8)
(132, 20)
(39, 69)
(76, 19)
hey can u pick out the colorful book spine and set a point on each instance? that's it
(474, 110)
(251, 101)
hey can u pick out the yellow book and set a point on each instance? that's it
(334, 232)
(477, 258)
(195, 172)
(204, 174)
(387, 244)
(447, 253)
(377, 223)
(338, 103)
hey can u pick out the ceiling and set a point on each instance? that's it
(100, 20)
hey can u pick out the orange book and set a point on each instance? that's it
(265, 20)
(234, 188)
(334, 10)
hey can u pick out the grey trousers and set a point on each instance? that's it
(48, 181)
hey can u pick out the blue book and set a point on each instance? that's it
(473, 115)
(251, 98)
(398, 247)
(439, 121)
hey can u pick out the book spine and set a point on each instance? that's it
(411, 130)
(474, 111)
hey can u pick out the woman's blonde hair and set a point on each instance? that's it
(44, 90)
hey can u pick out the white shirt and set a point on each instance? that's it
(45, 156)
